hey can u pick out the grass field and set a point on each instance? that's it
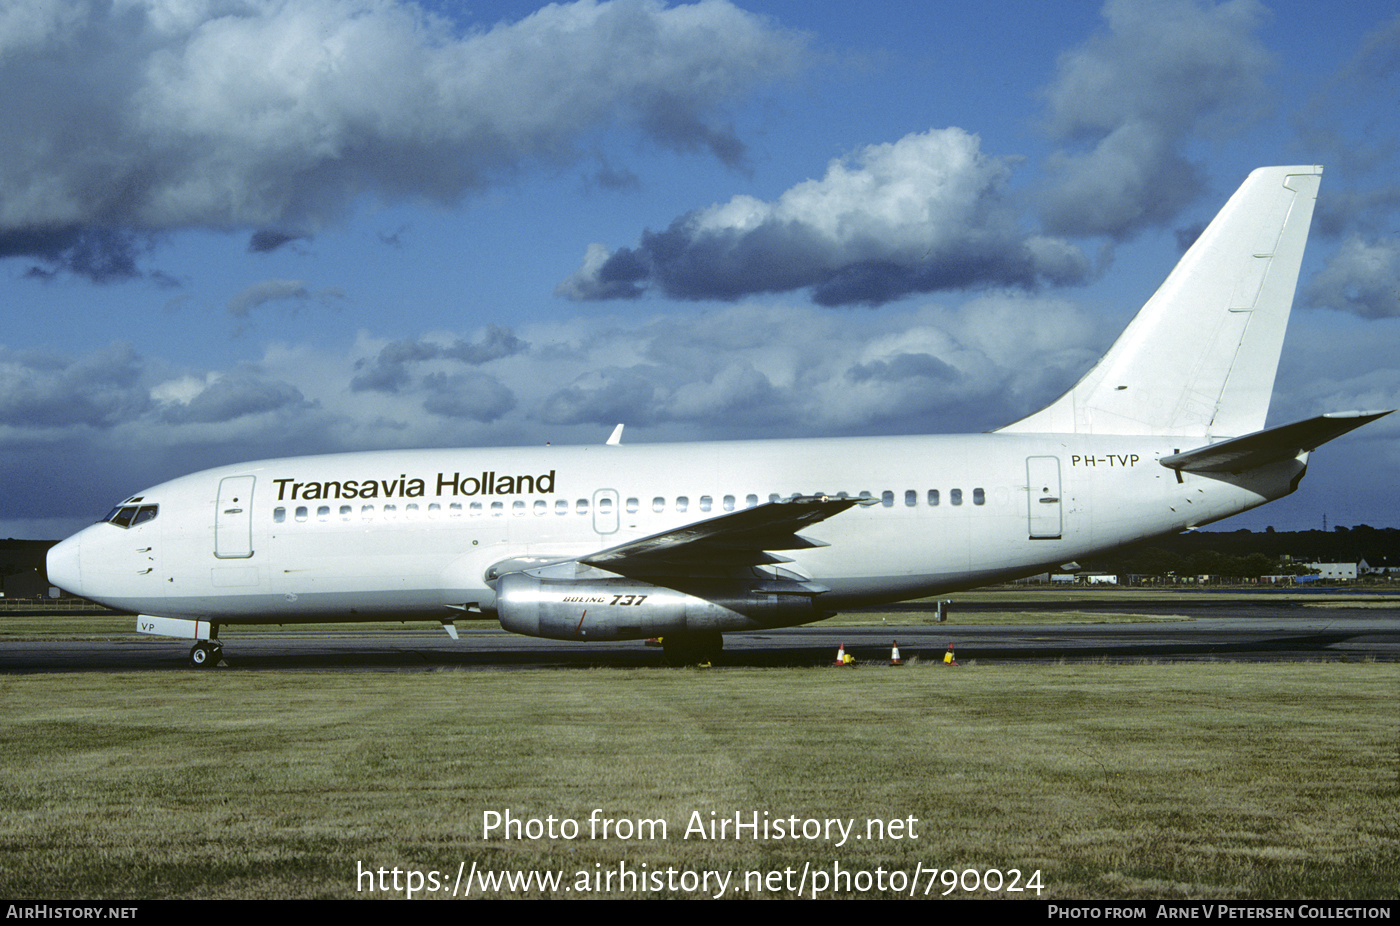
(1213, 780)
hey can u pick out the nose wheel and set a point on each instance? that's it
(206, 654)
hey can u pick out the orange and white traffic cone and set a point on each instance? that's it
(948, 659)
(894, 654)
(840, 656)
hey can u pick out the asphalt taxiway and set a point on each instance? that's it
(1239, 631)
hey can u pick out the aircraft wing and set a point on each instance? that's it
(739, 538)
(1270, 445)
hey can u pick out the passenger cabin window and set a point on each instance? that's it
(279, 515)
(979, 497)
(658, 504)
(911, 498)
(955, 496)
(932, 497)
(887, 498)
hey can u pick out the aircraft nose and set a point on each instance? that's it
(64, 565)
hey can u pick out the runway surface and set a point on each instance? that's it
(1225, 631)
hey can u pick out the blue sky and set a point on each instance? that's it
(232, 230)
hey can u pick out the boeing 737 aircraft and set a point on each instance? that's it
(688, 541)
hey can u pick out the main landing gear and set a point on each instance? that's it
(206, 654)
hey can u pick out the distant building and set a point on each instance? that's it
(1345, 572)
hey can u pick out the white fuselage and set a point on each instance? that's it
(413, 533)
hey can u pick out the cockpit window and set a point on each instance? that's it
(130, 515)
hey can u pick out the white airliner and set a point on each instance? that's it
(687, 541)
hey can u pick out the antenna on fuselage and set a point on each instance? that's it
(616, 437)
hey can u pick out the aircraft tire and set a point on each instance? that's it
(204, 655)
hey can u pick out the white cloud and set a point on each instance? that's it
(149, 116)
(1129, 100)
(1362, 277)
(925, 213)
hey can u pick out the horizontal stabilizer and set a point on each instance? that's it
(1285, 442)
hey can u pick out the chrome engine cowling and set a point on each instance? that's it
(620, 608)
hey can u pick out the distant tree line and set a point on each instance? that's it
(18, 556)
(1249, 554)
(1154, 561)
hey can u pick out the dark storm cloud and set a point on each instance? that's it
(104, 255)
(279, 115)
(265, 241)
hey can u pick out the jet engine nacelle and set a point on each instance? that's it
(627, 609)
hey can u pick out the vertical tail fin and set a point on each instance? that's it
(1200, 357)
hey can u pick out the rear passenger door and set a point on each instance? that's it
(1043, 494)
